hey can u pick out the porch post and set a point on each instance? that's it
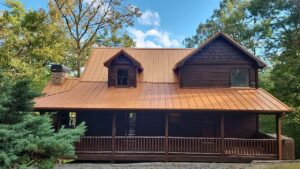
(166, 135)
(113, 134)
(278, 136)
(222, 134)
(57, 121)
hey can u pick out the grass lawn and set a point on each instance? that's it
(285, 166)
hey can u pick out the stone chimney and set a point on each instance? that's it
(58, 74)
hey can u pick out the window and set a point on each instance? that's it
(131, 123)
(175, 118)
(72, 119)
(239, 78)
(122, 77)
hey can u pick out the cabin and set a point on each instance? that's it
(169, 104)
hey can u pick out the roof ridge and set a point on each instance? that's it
(138, 48)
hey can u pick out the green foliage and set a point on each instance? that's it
(283, 17)
(27, 138)
(115, 39)
(94, 21)
(30, 41)
(270, 29)
(232, 18)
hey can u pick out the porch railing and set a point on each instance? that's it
(238, 146)
(184, 145)
(139, 144)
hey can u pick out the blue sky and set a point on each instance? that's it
(164, 23)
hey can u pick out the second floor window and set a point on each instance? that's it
(122, 77)
(239, 78)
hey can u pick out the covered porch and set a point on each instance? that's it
(177, 136)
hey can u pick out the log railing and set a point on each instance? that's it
(94, 143)
(139, 144)
(194, 145)
(238, 146)
(185, 145)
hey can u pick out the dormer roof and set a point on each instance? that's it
(108, 62)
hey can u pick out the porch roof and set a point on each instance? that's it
(160, 96)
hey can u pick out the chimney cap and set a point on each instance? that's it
(59, 68)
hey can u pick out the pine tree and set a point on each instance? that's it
(28, 138)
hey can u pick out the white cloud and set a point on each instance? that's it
(153, 38)
(149, 18)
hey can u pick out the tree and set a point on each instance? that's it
(283, 17)
(115, 39)
(27, 138)
(87, 19)
(29, 43)
(233, 18)
(271, 30)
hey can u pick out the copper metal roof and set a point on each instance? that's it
(67, 85)
(147, 96)
(157, 63)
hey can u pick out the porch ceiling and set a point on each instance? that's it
(161, 96)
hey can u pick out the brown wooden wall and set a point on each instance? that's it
(122, 62)
(153, 124)
(98, 123)
(240, 125)
(210, 67)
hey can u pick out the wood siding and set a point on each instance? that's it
(98, 123)
(240, 125)
(210, 67)
(152, 124)
(122, 62)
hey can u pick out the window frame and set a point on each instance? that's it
(72, 119)
(117, 79)
(231, 78)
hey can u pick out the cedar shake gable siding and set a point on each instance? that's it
(211, 66)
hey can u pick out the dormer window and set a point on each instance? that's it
(122, 77)
(239, 78)
(123, 70)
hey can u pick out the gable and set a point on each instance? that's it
(220, 51)
(123, 57)
(221, 48)
(121, 60)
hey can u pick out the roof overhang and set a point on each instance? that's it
(161, 97)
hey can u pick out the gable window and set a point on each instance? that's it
(239, 77)
(122, 77)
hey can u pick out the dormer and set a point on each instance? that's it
(123, 70)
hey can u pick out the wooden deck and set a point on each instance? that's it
(157, 148)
